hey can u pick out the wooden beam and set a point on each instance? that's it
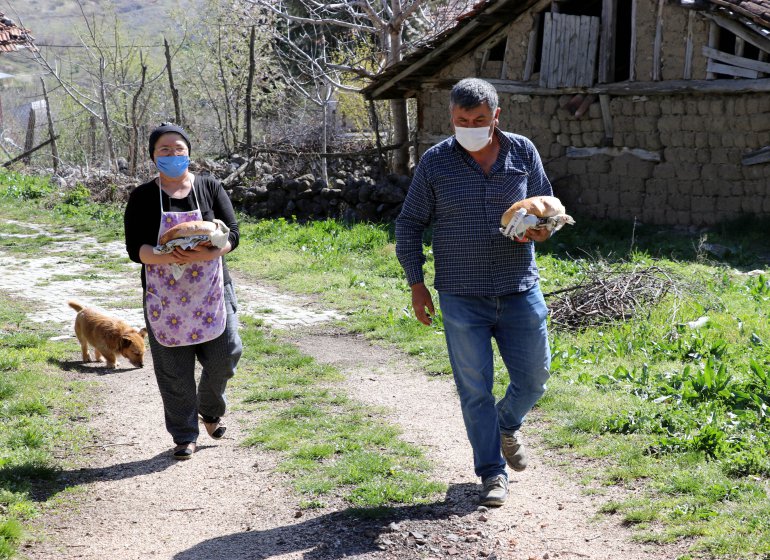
(658, 43)
(607, 44)
(730, 86)
(738, 30)
(688, 51)
(726, 69)
(30, 152)
(645, 155)
(736, 60)
(761, 155)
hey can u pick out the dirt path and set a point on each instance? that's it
(129, 500)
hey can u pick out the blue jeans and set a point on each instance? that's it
(518, 323)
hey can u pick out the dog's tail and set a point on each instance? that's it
(75, 305)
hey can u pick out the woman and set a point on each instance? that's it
(189, 315)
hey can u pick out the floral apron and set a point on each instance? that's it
(189, 309)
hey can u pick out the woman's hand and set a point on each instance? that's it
(201, 252)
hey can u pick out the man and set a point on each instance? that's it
(487, 283)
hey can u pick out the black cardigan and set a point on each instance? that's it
(141, 221)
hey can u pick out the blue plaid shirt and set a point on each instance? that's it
(450, 189)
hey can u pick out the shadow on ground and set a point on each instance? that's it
(334, 535)
(98, 368)
(51, 482)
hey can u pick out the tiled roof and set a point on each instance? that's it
(13, 37)
(757, 10)
(480, 22)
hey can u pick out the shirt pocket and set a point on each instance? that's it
(456, 197)
(502, 193)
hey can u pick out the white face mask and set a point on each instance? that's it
(473, 139)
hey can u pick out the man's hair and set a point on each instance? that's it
(472, 92)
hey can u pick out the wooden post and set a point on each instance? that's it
(607, 49)
(739, 44)
(529, 65)
(632, 54)
(687, 73)
(174, 91)
(51, 131)
(609, 133)
(29, 142)
(657, 45)
(713, 43)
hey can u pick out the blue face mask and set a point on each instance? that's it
(172, 166)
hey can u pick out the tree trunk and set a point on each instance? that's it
(324, 134)
(398, 113)
(134, 143)
(174, 91)
(377, 140)
(249, 89)
(106, 116)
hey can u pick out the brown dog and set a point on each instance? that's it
(109, 337)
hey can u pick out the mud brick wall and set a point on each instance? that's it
(701, 140)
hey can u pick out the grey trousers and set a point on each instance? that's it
(175, 373)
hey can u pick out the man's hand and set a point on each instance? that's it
(422, 303)
(537, 234)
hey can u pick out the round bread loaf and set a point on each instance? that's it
(540, 206)
(188, 229)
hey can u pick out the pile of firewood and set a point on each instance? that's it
(605, 296)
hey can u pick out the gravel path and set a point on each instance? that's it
(128, 500)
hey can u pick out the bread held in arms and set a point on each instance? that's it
(537, 212)
(189, 234)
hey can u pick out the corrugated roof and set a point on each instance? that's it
(480, 23)
(13, 37)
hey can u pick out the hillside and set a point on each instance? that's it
(56, 24)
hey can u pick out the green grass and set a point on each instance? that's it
(679, 416)
(332, 445)
(36, 404)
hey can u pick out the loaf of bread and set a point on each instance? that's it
(188, 229)
(540, 206)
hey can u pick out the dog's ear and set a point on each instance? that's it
(125, 342)
(143, 332)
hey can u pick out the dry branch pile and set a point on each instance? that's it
(605, 296)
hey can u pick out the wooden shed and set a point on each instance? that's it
(655, 110)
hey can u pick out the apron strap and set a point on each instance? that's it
(160, 194)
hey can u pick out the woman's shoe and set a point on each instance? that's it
(184, 450)
(214, 426)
